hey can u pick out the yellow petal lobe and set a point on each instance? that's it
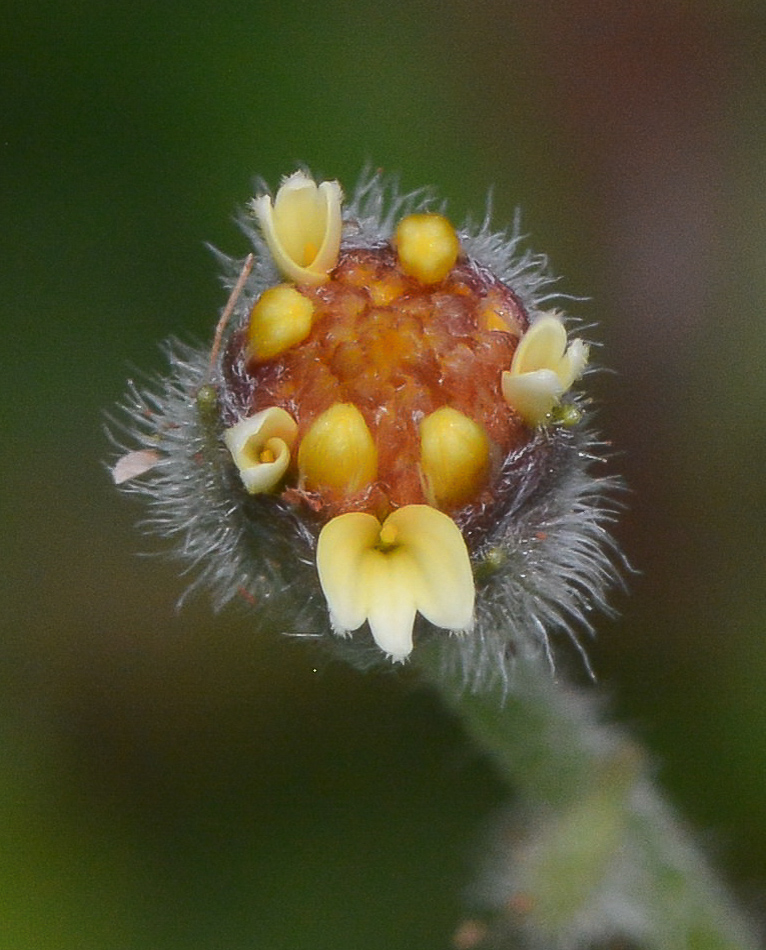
(302, 227)
(454, 457)
(260, 446)
(573, 363)
(338, 452)
(342, 545)
(533, 395)
(427, 246)
(417, 561)
(279, 320)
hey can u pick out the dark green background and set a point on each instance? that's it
(188, 781)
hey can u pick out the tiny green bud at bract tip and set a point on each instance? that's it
(207, 401)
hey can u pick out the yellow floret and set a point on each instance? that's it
(302, 227)
(416, 562)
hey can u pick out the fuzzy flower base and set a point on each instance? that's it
(386, 443)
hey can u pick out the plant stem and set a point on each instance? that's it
(590, 852)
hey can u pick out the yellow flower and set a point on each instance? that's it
(415, 561)
(260, 446)
(543, 369)
(302, 227)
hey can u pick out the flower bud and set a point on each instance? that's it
(338, 453)
(280, 319)
(454, 457)
(427, 247)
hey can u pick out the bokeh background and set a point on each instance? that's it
(183, 780)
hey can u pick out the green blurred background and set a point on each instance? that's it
(180, 780)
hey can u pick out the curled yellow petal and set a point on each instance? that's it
(454, 457)
(427, 246)
(281, 318)
(543, 369)
(338, 451)
(416, 561)
(302, 227)
(260, 446)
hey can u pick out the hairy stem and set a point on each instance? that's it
(590, 854)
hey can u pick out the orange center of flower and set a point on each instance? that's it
(396, 349)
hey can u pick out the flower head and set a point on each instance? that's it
(375, 444)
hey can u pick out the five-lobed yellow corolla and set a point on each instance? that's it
(543, 369)
(415, 562)
(302, 227)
